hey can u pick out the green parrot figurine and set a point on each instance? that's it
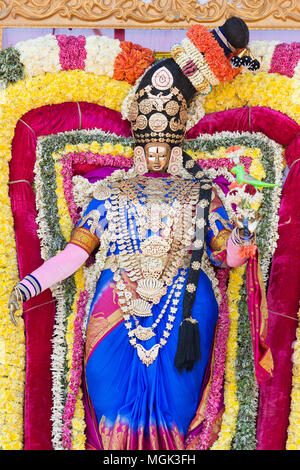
(243, 177)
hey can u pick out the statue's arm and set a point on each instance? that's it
(56, 269)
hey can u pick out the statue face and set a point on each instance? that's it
(157, 156)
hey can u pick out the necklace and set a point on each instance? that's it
(151, 223)
(148, 356)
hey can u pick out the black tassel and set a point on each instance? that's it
(188, 348)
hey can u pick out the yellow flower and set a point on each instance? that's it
(229, 417)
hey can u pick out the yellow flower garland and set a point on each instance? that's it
(15, 101)
(229, 418)
(274, 91)
(293, 441)
(96, 148)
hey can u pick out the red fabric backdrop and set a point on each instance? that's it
(274, 403)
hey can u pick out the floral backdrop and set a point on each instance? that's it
(61, 100)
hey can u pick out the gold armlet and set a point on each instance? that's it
(85, 239)
(219, 242)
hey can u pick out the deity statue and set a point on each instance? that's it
(152, 320)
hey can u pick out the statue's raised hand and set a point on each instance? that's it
(252, 222)
(14, 303)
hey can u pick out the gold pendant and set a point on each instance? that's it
(147, 356)
(140, 308)
(143, 333)
(151, 289)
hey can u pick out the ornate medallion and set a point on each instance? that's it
(102, 192)
(158, 122)
(162, 79)
(172, 108)
(141, 122)
(147, 356)
(145, 106)
(142, 333)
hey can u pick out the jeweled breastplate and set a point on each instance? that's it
(151, 228)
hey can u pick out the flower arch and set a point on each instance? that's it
(249, 103)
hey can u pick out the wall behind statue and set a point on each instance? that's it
(157, 40)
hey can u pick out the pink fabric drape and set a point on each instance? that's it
(39, 321)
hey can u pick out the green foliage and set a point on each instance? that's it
(11, 68)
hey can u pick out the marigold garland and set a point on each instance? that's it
(203, 39)
(274, 91)
(131, 63)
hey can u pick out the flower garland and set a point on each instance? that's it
(99, 55)
(256, 90)
(73, 436)
(15, 101)
(229, 418)
(247, 389)
(202, 38)
(293, 440)
(215, 394)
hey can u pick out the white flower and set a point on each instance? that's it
(263, 51)
(39, 55)
(101, 54)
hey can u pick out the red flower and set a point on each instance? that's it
(250, 189)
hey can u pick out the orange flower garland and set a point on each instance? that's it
(131, 63)
(213, 53)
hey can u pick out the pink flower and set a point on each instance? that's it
(72, 53)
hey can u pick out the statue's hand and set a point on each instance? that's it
(14, 304)
(252, 222)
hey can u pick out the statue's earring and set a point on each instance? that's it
(139, 160)
(175, 162)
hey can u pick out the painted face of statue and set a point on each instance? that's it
(157, 156)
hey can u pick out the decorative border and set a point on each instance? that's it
(270, 14)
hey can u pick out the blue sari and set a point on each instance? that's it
(135, 406)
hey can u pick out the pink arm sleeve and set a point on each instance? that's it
(233, 257)
(59, 267)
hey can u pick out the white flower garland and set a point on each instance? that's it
(39, 55)
(58, 340)
(263, 51)
(101, 54)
